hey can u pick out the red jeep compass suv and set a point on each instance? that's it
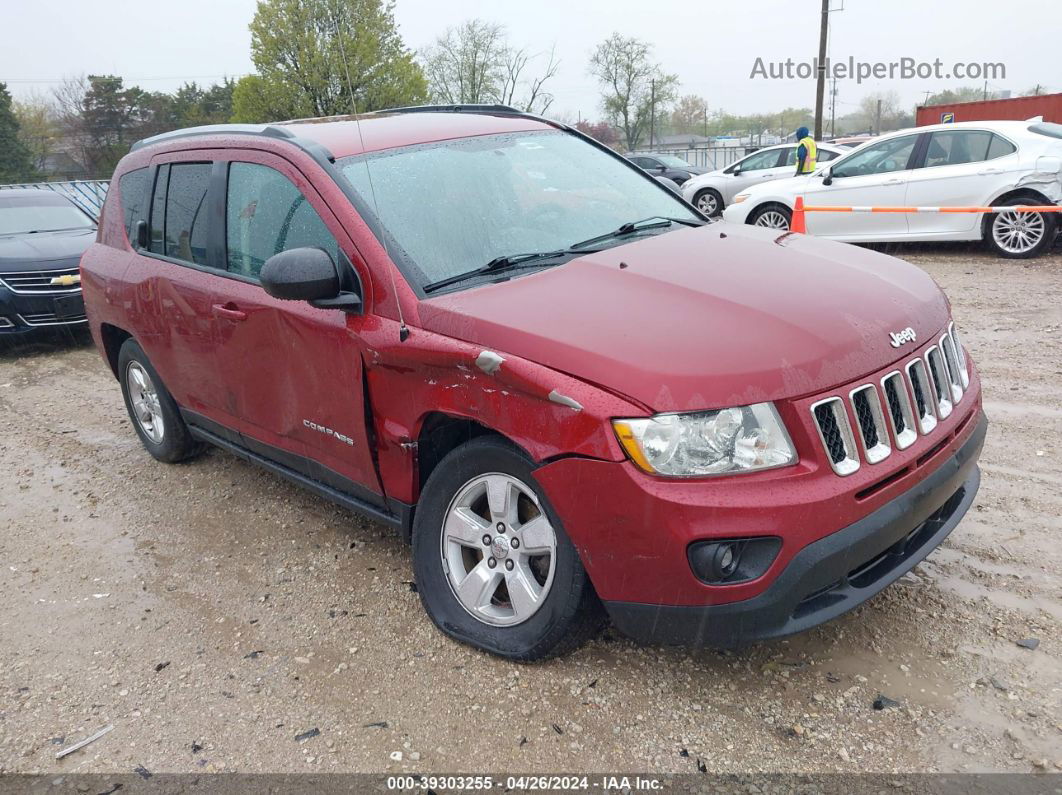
(546, 370)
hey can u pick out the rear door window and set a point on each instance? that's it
(958, 147)
(134, 189)
(265, 215)
(1000, 147)
(179, 223)
(186, 212)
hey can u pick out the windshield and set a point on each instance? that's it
(456, 205)
(49, 212)
(671, 160)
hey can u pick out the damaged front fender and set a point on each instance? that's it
(430, 373)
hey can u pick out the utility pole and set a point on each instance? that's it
(986, 91)
(833, 108)
(820, 86)
(706, 118)
(652, 111)
(877, 120)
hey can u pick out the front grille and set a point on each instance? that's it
(900, 413)
(831, 433)
(892, 397)
(865, 418)
(51, 319)
(939, 379)
(40, 282)
(871, 421)
(911, 402)
(836, 434)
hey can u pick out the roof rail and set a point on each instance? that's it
(216, 129)
(465, 108)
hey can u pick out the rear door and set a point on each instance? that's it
(298, 393)
(172, 287)
(960, 168)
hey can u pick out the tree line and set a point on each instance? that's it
(331, 57)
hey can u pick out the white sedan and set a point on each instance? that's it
(713, 191)
(990, 163)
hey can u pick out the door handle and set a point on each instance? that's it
(228, 311)
(989, 171)
(893, 182)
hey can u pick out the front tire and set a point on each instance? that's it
(494, 567)
(709, 202)
(772, 216)
(1020, 235)
(152, 409)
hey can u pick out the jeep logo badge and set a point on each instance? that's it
(898, 338)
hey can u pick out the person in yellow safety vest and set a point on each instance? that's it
(806, 154)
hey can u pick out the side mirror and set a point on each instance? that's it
(827, 177)
(306, 274)
(735, 172)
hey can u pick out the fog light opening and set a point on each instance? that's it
(733, 560)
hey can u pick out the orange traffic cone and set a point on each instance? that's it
(798, 224)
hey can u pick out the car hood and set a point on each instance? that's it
(22, 252)
(704, 318)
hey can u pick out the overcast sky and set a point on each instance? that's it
(711, 45)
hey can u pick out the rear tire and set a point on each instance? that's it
(1020, 235)
(152, 410)
(535, 600)
(709, 202)
(772, 216)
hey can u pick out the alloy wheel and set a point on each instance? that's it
(145, 399)
(498, 549)
(772, 219)
(707, 203)
(1017, 233)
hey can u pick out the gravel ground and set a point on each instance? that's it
(215, 615)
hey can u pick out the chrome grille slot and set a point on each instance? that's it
(40, 282)
(51, 319)
(951, 361)
(960, 356)
(924, 403)
(831, 420)
(938, 377)
(900, 413)
(871, 421)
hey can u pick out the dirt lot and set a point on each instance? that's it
(211, 612)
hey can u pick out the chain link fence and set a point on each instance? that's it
(86, 194)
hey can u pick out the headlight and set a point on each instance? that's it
(708, 442)
(740, 198)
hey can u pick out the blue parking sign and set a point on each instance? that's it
(947, 118)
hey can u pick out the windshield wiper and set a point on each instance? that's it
(496, 265)
(629, 228)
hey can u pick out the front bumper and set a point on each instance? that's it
(24, 313)
(828, 577)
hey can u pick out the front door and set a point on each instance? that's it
(294, 371)
(875, 175)
(762, 166)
